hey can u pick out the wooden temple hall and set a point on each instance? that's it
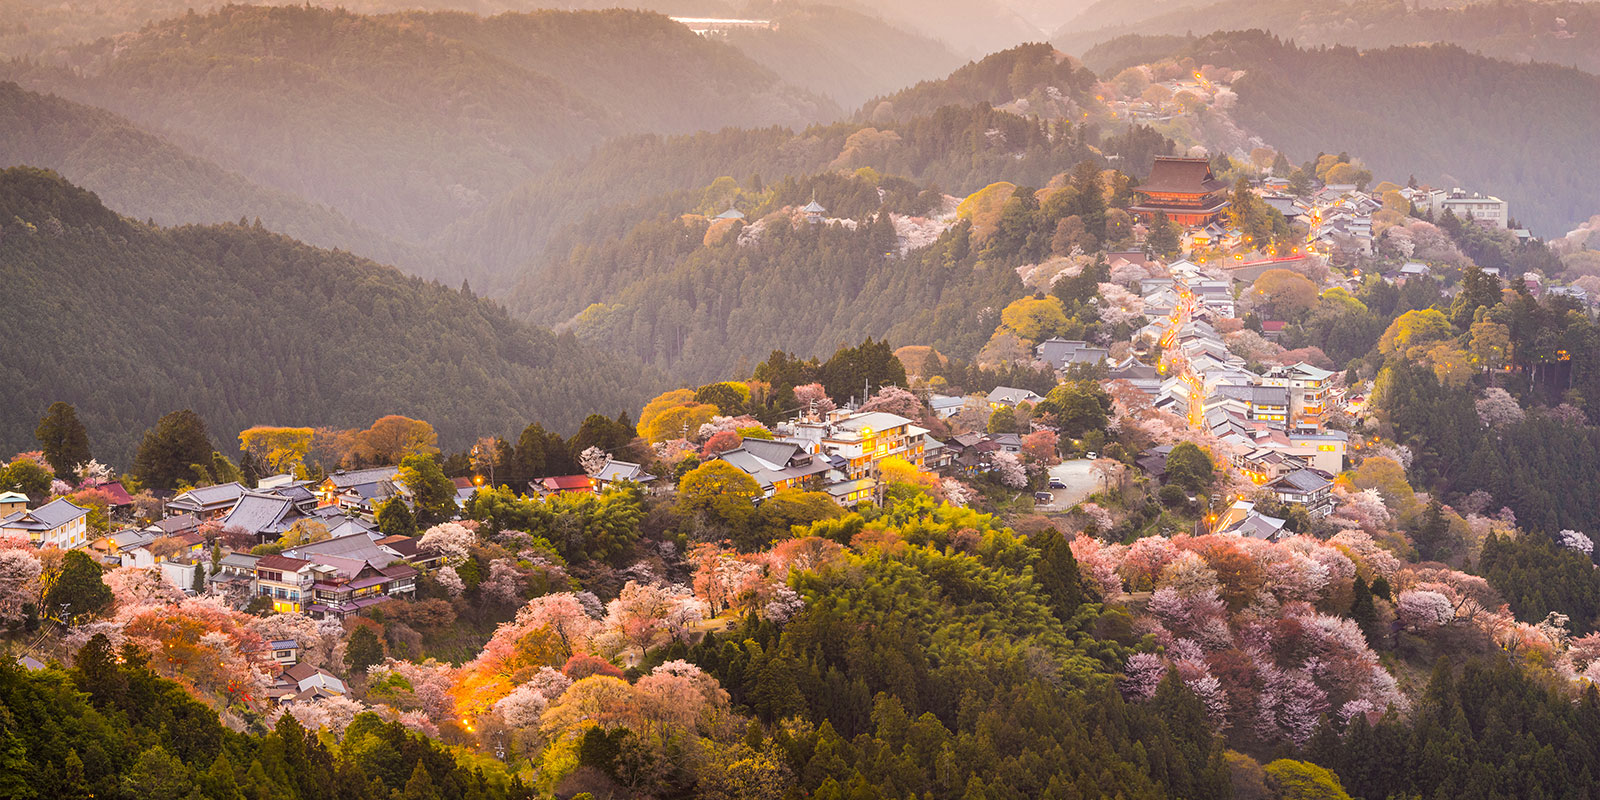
(1185, 190)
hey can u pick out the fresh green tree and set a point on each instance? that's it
(27, 476)
(395, 518)
(64, 440)
(433, 493)
(720, 491)
(1190, 467)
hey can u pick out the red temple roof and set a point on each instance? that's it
(1182, 176)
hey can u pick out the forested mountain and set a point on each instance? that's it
(844, 54)
(1447, 116)
(1566, 33)
(394, 121)
(1036, 77)
(955, 149)
(143, 176)
(246, 327)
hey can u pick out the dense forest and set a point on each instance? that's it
(958, 149)
(109, 727)
(692, 294)
(247, 327)
(1037, 73)
(147, 177)
(1423, 111)
(404, 123)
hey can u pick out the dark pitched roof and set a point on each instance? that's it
(1302, 480)
(1182, 175)
(282, 563)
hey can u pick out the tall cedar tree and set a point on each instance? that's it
(171, 450)
(64, 440)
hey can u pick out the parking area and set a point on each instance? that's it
(1079, 480)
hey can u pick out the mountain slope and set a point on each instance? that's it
(1560, 32)
(1451, 118)
(246, 326)
(145, 177)
(393, 122)
(956, 149)
(1035, 78)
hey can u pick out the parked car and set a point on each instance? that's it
(1055, 483)
(1091, 455)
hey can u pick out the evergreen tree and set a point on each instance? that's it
(364, 650)
(1163, 240)
(64, 440)
(1057, 571)
(395, 518)
(433, 493)
(1362, 609)
(79, 588)
(171, 449)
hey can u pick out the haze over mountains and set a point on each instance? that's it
(567, 163)
(1560, 32)
(241, 324)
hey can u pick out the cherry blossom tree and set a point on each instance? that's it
(895, 400)
(1575, 540)
(452, 540)
(957, 493)
(1039, 448)
(1008, 469)
(450, 580)
(813, 398)
(1424, 610)
(593, 459)
(504, 584)
(133, 587)
(19, 582)
(1498, 409)
(332, 714)
(1141, 676)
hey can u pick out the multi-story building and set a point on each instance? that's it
(58, 523)
(1307, 488)
(287, 581)
(865, 440)
(1309, 394)
(1184, 189)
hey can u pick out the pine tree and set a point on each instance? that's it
(64, 440)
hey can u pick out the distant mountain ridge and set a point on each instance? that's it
(403, 123)
(144, 176)
(247, 327)
(1565, 32)
(1438, 112)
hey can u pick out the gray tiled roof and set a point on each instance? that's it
(261, 513)
(49, 516)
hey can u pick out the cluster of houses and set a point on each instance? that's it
(355, 566)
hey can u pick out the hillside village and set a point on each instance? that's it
(327, 573)
(1282, 426)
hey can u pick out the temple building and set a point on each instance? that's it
(1185, 190)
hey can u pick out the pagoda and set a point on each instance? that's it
(1185, 190)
